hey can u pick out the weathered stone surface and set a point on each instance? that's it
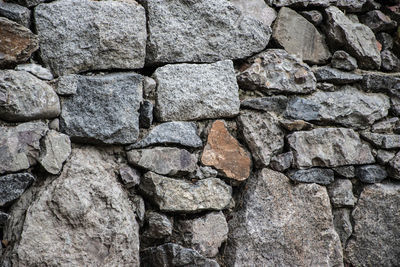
(224, 153)
(282, 161)
(20, 146)
(17, 43)
(275, 71)
(204, 234)
(203, 172)
(296, 125)
(272, 103)
(384, 156)
(257, 9)
(67, 85)
(382, 82)
(386, 141)
(329, 87)
(262, 134)
(313, 16)
(149, 87)
(37, 70)
(299, 36)
(343, 61)
(348, 106)
(394, 167)
(335, 76)
(27, 3)
(329, 147)
(345, 171)
(54, 124)
(341, 193)
(355, 38)
(172, 133)
(351, 5)
(17, 13)
(204, 31)
(104, 109)
(371, 174)
(164, 160)
(208, 91)
(3, 220)
(139, 206)
(130, 177)
(389, 125)
(376, 218)
(342, 222)
(24, 97)
(177, 195)
(300, 3)
(159, 226)
(91, 35)
(313, 175)
(12, 186)
(386, 40)
(84, 213)
(171, 254)
(281, 224)
(146, 114)
(377, 21)
(390, 62)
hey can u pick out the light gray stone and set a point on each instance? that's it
(376, 218)
(17, 13)
(388, 125)
(203, 172)
(343, 61)
(3, 220)
(54, 124)
(159, 226)
(351, 5)
(394, 167)
(149, 87)
(282, 161)
(177, 195)
(208, 91)
(275, 104)
(386, 141)
(329, 147)
(384, 156)
(91, 35)
(371, 174)
(12, 186)
(37, 70)
(201, 31)
(275, 71)
(342, 222)
(130, 177)
(104, 109)
(313, 175)
(335, 76)
(67, 84)
(24, 97)
(139, 207)
(341, 193)
(281, 224)
(257, 9)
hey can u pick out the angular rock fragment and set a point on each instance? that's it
(159, 226)
(201, 31)
(342, 222)
(91, 35)
(343, 61)
(37, 70)
(386, 40)
(17, 43)
(386, 141)
(390, 125)
(146, 114)
(275, 71)
(390, 62)
(341, 193)
(257, 9)
(273, 103)
(371, 174)
(67, 85)
(296, 125)
(298, 36)
(329, 147)
(12, 186)
(224, 153)
(331, 75)
(177, 195)
(350, 5)
(300, 3)
(164, 160)
(345, 171)
(149, 87)
(208, 91)
(394, 167)
(382, 82)
(105, 109)
(384, 156)
(377, 21)
(313, 16)
(281, 224)
(130, 177)
(203, 172)
(313, 175)
(282, 161)
(24, 97)
(17, 13)
(376, 218)
(172, 133)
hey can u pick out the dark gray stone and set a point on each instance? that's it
(146, 114)
(386, 141)
(394, 167)
(300, 3)
(12, 186)
(282, 161)
(386, 40)
(28, 3)
(314, 175)
(377, 21)
(203, 172)
(390, 62)
(342, 222)
(273, 103)
(341, 193)
(313, 16)
(130, 177)
(371, 174)
(346, 171)
(158, 225)
(3, 220)
(342, 60)
(17, 13)
(335, 76)
(382, 82)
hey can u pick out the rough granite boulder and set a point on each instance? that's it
(201, 31)
(12, 186)
(282, 224)
(207, 91)
(82, 35)
(257, 9)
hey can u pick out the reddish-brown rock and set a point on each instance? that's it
(224, 153)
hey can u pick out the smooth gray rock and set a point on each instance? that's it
(20, 146)
(159, 225)
(172, 133)
(384, 156)
(17, 13)
(343, 61)
(282, 161)
(389, 125)
(272, 103)
(298, 36)
(377, 21)
(146, 114)
(335, 76)
(313, 175)
(355, 38)
(390, 62)
(55, 150)
(280, 224)
(91, 35)
(376, 218)
(164, 160)
(130, 177)
(329, 147)
(313, 16)
(54, 124)
(371, 174)
(171, 254)
(178, 195)
(382, 82)
(386, 141)
(104, 109)
(208, 91)
(345, 171)
(394, 167)
(347, 106)
(342, 222)
(23, 97)
(257, 9)
(262, 134)
(275, 71)
(37, 70)
(201, 31)
(12, 186)
(341, 193)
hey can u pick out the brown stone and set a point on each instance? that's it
(17, 43)
(224, 153)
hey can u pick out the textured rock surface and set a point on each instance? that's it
(272, 229)
(298, 36)
(224, 153)
(184, 196)
(24, 97)
(313, 175)
(341, 193)
(273, 103)
(376, 217)
(146, 114)
(342, 222)
(377, 21)
(390, 62)
(104, 109)
(371, 174)
(130, 177)
(91, 35)
(282, 161)
(394, 167)
(28, 3)
(37, 70)
(12, 186)
(56, 148)
(345, 171)
(17, 13)
(275, 71)
(257, 9)
(328, 74)
(17, 43)
(329, 147)
(84, 214)
(313, 16)
(386, 141)
(208, 91)
(342, 60)
(301, 3)
(67, 85)
(381, 82)
(158, 225)
(262, 134)
(201, 31)
(164, 160)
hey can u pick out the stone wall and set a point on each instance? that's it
(200, 133)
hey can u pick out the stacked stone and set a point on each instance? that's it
(199, 133)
